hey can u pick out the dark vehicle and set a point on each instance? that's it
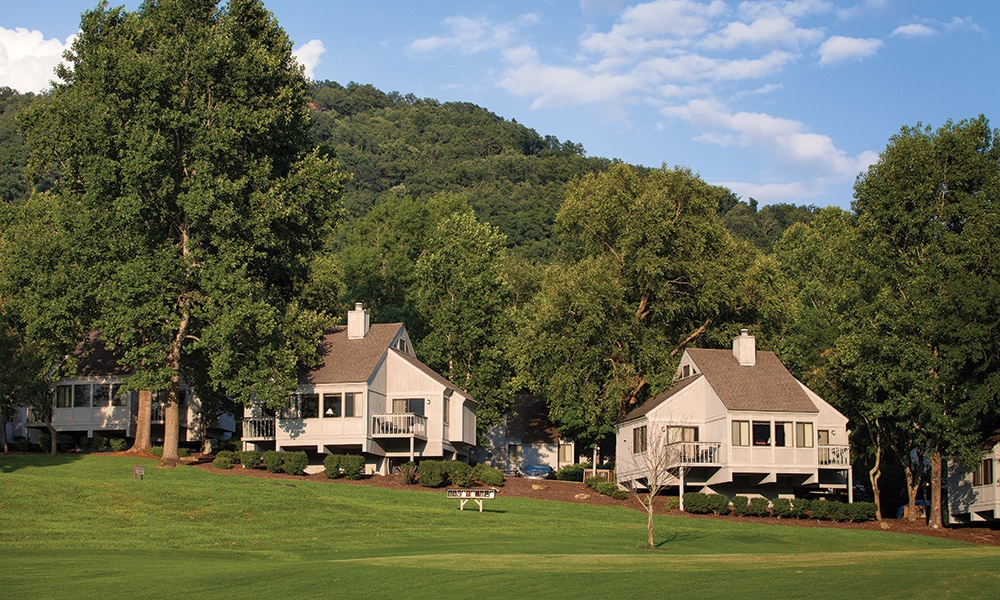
(537, 471)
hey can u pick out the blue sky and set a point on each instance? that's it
(782, 101)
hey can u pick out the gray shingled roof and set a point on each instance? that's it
(351, 361)
(766, 386)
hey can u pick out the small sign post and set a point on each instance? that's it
(138, 472)
(475, 494)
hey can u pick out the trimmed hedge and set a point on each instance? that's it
(222, 462)
(251, 459)
(353, 465)
(741, 506)
(570, 473)
(672, 503)
(718, 504)
(487, 475)
(782, 507)
(273, 461)
(459, 473)
(433, 473)
(800, 508)
(758, 507)
(696, 503)
(294, 463)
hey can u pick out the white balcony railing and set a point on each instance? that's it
(258, 428)
(834, 455)
(694, 453)
(399, 425)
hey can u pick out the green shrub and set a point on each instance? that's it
(611, 489)
(862, 511)
(156, 451)
(226, 454)
(23, 445)
(459, 473)
(93, 444)
(63, 442)
(409, 472)
(758, 507)
(487, 475)
(352, 465)
(570, 473)
(718, 504)
(836, 510)
(272, 460)
(118, 444)
(782, 507)
(250, 459)
(593, 482)
(433, 473)
(222, 462)
(294, 463)
(672, 503)
(696, 503)
(800, 508)
(331, 465)
(818, 509)
(741, 506)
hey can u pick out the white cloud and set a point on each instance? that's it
(913, 30)
(795, 192)
(773, 31)
(786, 141)
(308, 55)
(468, 36)
(560, 86)
(662, 23)
(862, 8)
(27, 59)
(838, 49)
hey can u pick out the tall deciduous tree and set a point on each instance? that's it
(462, 292)
(181, 132)
(929, 213)
(651, 270)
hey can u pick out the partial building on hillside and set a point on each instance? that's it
(370, 396)
(526, 436)
(737, 422)
(93, 402)
(973, 494)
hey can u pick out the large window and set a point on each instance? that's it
(782, 434)
(761, 433)
(408, 405)
(677, 433)
(741, 433)
(639, 439)
(102, 395)
(81, 395)
(332, 406)
(823, 437)
(309, 406)
(118, 395)
(350, 410)
(64, 396)
(803, 435)
(566, 453)
(983, 474)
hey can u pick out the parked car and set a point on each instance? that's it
(537, 471)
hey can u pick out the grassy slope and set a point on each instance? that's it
(82, 527)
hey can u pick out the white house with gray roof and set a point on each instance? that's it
(737, 422)
(370, 396)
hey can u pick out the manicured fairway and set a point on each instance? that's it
(82, 527)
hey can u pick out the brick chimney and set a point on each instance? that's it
(357, 322)
(745, 349)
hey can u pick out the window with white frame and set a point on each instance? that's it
(447, 409)
(408, 405)
(639, 435)
(64, 396)
(983, 473)
(81, 395)
(761, 433)
(677, 433)
(118, 395)
(566, 453)
(350, 408)
(803, 435)
(783, 434)
(332, 406)
(741, 433)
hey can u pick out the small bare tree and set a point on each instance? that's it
(661, 462)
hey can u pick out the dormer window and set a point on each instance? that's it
(401, 345)
(686, 372)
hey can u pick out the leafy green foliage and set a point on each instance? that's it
(294, 463)
(433, 473)
(272, 461)
(570, 473)
(741, 506)
(758, 507)
(487, 475)
(697, 503)
(718, 504)
(222, 462)
(251, 459)
(782, 507)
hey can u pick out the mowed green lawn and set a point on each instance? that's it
(81, 527)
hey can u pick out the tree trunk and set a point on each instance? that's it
(649, 522)
(171, 428)
(913, 467)
(876, 472)
(3, 433)
(144, 414)
(935, 517)
(54, 443)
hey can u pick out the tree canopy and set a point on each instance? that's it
(179, 135)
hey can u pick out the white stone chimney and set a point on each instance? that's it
(357, 322)
(745, 348)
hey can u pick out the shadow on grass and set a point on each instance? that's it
(16, 460)
(677, 536)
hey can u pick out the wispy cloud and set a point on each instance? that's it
(913, 30)
(27, 59)
(466, 35)
(838, 49)
(308, 55)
